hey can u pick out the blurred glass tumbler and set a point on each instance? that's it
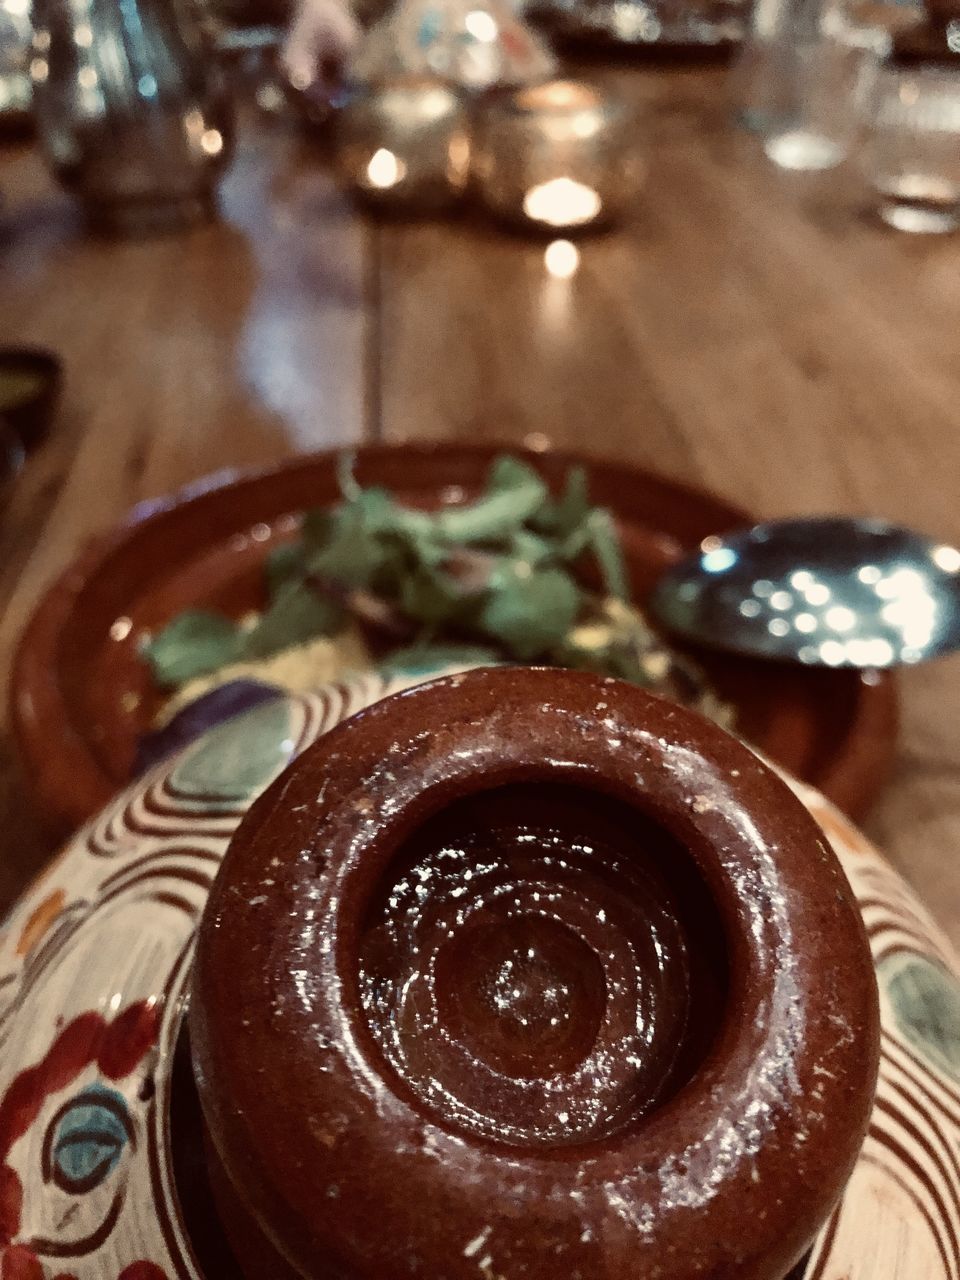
(556, 156)
(130, 110)
(405, 144)
(802, 78)
(16, 94)
(912, 153)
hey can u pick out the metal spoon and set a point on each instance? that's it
(836, 592)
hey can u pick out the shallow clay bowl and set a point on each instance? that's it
(81, 696)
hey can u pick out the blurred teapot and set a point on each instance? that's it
(130, 110)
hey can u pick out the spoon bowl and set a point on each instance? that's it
(835, 592)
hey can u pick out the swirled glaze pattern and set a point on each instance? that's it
(534, 979)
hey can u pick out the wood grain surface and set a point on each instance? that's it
(747, 330)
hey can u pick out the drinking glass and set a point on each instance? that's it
(803, 77)
(912, 151)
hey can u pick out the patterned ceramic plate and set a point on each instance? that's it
(99, 1162)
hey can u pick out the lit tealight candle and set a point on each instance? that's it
(558, 156)
(562, 202)
(405, 143)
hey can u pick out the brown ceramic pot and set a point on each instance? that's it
(527, 973)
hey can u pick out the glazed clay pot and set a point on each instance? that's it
(528, 973)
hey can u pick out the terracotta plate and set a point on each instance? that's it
(81, 695)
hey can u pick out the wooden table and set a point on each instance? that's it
(749, 331)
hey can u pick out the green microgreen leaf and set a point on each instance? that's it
(562, 516)
(431, 596)
(341, 547)
(514, 492)
(285, 564)
(418, 658)
(298, 614)
(346, 480)
(195, 643)
(530, 612)
(532, 548)
(609, 553)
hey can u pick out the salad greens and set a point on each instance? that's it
(500, 578)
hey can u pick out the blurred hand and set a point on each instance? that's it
(321, 38)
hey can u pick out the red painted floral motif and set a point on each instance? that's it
(116, 1048)
(21, 1264)
(11, 1201)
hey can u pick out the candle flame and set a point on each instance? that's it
(561, 259)
(211, 142)
(385, 169)
(562, 202)
(481, 25)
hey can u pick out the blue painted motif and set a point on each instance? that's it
(88, 1139)
(238, 759)
(926, 1005)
